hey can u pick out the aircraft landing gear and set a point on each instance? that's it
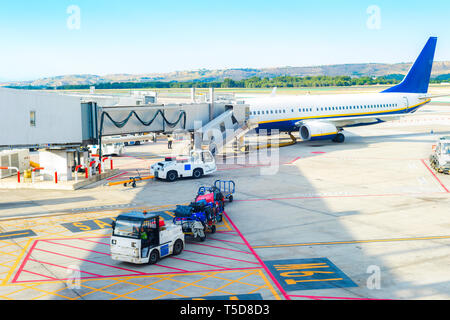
(340, 138)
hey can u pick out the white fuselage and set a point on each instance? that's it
(283, 112)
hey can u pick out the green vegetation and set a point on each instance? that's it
(441, 78)
(253, 82)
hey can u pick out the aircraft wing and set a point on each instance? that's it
(348, 121)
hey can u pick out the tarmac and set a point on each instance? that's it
(366, 219)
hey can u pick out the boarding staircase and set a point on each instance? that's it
(221, 131)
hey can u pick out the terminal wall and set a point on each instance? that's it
(57, 118)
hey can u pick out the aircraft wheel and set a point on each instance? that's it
(340, 138)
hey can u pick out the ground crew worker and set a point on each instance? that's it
(145, 243)
(143, 234)
(169, 142)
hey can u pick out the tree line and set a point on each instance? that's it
(253, 82)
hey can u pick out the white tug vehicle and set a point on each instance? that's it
(197, 164)
(141, 237)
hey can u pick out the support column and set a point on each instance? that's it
(193, 95)
(211, 104)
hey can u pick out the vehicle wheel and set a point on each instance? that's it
(230, 198)
(154, 257)
(177, 247)
(172, 176)
(202, 239)
(134, 185)
(219, 218)
(198, 173)
(213, 229)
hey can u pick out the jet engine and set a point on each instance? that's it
(316, 130)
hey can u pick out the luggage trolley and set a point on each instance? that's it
(196, 219)
(227, 187)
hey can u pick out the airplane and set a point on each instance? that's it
(324, 117)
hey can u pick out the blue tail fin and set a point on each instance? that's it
(418, 77)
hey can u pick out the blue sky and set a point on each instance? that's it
(138, 36)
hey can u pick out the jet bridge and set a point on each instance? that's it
(228, 120)
(61, 123)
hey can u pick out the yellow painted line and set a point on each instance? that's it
(79, 213)
(269, 285)
(351, 242)
(14, 267)
(227, 226)
(170, 213)
(140, 286)
(345, 115)
(15, 234)
(313, 280)
(250, 273)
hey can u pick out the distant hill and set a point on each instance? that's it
(440, 68)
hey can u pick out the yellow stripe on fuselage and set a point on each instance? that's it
(344, 115)
(323, 134)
